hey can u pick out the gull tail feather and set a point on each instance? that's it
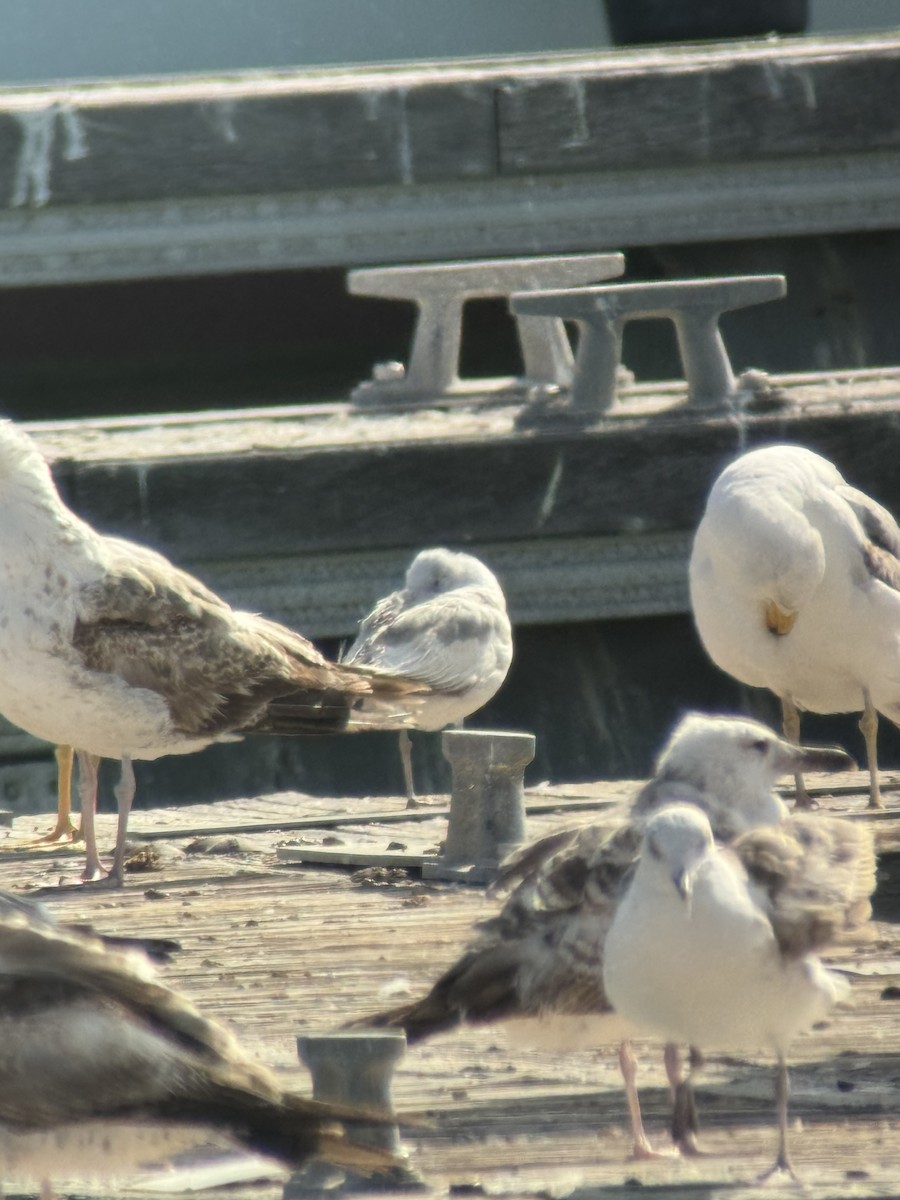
(290, 1128)
(480, 988)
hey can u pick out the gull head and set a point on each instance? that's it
(739, 761)
(677, 841)
(436, 571)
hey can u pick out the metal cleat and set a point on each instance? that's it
(694, 306)
(355, 1070)
(487, 802)
(440, 290)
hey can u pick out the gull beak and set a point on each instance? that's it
(822, 758)
(779, 621)
(684, 886)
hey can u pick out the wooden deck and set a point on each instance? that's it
(278, 950)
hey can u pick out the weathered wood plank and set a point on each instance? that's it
(384, 481)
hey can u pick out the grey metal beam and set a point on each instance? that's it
(555, 214)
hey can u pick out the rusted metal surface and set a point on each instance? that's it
(281, 951)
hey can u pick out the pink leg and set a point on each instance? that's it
(88, 769)
(124, 792)
(628, 1066)
(406, 760)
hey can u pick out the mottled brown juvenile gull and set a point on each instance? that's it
(448, 628)
(103, 1067)
(106, 646)
(795, 586)
(540, 960)
(716, 946)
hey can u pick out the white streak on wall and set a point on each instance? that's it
(31, 183)
(808, 87)
(548, 503)
(74, 140)
(404, 142)
(581, 133)
(371, 102)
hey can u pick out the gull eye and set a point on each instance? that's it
(761, 746)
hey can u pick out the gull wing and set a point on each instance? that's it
(881, 552)
(812, 875)
(441, 642)
(157, 627)
(543, 952)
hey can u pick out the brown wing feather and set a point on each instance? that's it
(881, 551)
(815, 875)
(218, 670)
(52, 980)
(543, 951)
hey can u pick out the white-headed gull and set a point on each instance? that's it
(716, 946)
(795, 586)
(448, 628)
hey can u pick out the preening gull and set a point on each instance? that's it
(541, 958)
(103, 1067)
(716, 946)
(448, 628)
(795, 586)
(108, 647)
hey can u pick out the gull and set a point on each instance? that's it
(103, 1067)
(540, 960)
(717, 946)
(795, 586)
(108, 647)
(448, 628)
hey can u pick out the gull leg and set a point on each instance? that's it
(628, 1066)
(88, 769)
(65, 757)
(406, 760)
(868, 724)
(124, 793)
(685, 1125)
(782, 1164)
(790, 723)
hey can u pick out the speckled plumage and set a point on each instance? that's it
(103, 1067)
(105, 645)
(446, 628)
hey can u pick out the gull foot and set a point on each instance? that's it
(642, 1151)
(63, 832)
(780, 1171)
(804, 802)
(688, 1147)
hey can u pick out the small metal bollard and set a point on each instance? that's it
(693, 305)
(439, 291)
(487, 802)
(355, 1070)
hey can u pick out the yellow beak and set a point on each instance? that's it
(778, 621)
